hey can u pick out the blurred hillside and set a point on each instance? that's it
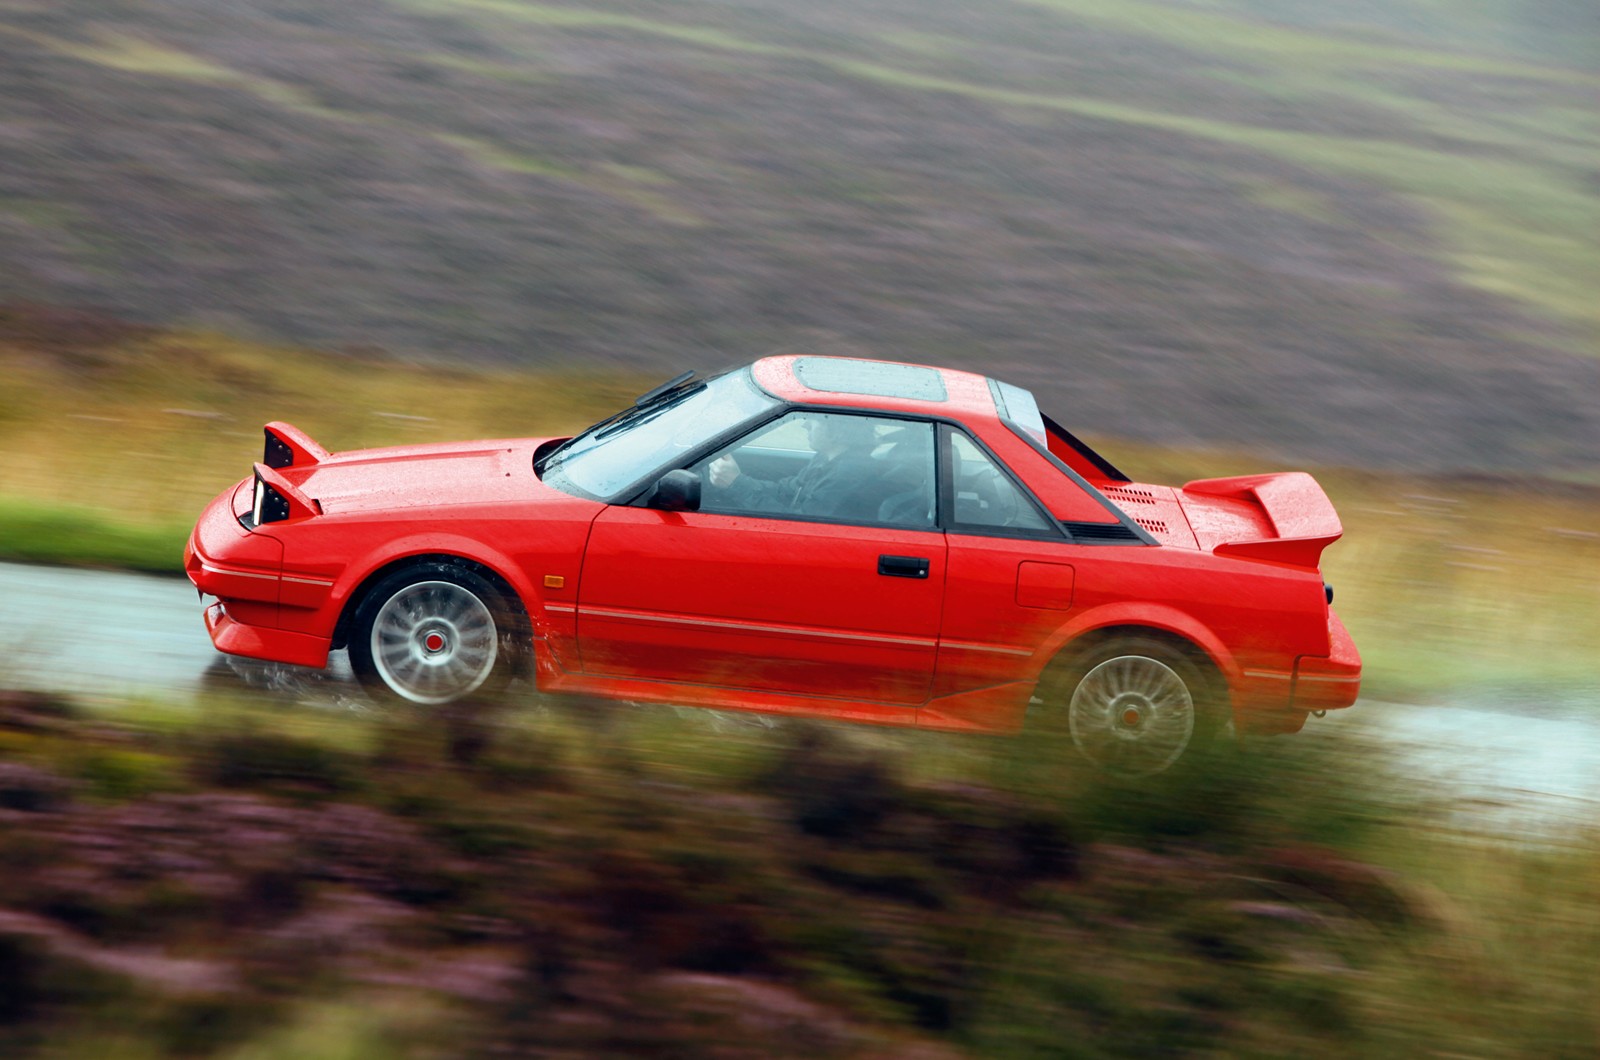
(1367, 237)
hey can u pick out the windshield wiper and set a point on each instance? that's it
(668, 399)
(663, 390)
(678, 384)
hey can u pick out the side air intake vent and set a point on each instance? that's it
(1127, 493)
(1155, 526)
(1096, 533)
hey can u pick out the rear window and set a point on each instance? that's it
(841, 375)
(1017, 405)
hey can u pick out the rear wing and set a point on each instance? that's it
(274, 498)
(1296, 510)
(289, 446)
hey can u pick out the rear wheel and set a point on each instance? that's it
(1134, 706)
(430, 635)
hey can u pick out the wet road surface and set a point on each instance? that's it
(100, 632)
(1498, 765)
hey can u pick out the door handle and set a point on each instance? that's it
(903, 566)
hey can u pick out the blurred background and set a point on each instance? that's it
(1217, 237)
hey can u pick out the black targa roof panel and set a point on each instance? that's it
(837, 375)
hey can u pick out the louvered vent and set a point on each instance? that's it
(1093, 533)
(1155, 526)
(1127, 493)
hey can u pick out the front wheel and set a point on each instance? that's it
(430, 635)
(1134, 706)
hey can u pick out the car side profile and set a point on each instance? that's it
(862, 540)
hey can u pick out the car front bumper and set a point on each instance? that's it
(258, 642)
(244, 571)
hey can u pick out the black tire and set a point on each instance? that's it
(432, 634)
(1134, 706)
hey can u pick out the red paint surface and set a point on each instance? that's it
(791, 616)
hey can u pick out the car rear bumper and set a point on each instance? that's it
(1332, 681)
(1269, 702)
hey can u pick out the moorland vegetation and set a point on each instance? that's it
(1362, 234)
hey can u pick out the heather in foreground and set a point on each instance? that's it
(276, 880)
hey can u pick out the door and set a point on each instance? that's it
(771, 588)
(1011, 574)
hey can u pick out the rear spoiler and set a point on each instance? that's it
(289, 446)
(1299, 512)
(274, 499)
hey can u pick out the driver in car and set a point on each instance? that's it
(838, 482)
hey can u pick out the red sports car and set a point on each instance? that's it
(821, 536)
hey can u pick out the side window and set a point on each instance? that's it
(984, 495)
(827, 465)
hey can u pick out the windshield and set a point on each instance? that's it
(617, 452)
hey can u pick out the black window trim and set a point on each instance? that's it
(641, 487)
(1054, 531)
(638, 495)
(1141, 536)
(1051, 427)
(1083, 449)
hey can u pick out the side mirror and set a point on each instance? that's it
(677, 491)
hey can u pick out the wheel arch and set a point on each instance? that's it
(514, 598)
(1089, 641)
(1182, 632)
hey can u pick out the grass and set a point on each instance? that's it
(137, 55)
(38, 532)
(130, 54)
(1509, 227)
(154, 426)
(623, 183)
(1504, 192)
(1509, 918)
(588, 879)
(591, 19)
(634, 185)
(1279, 45)
(1465, 586)
(1524, 230)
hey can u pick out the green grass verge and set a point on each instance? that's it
(37, 532)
